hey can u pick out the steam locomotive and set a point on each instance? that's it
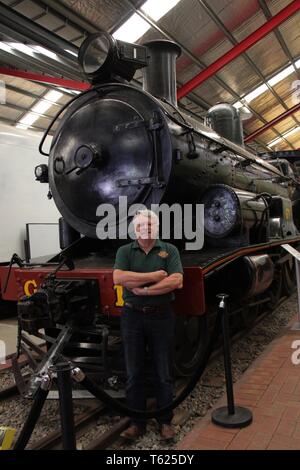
(118, 139)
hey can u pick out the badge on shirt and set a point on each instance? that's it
(163, 254)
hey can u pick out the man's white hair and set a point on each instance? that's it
(145, 213)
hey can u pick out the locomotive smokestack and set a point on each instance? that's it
(159, 77)
(225, 120)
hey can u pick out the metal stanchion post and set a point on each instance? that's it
(229, 416)
(63, 371)
(296, 255)
(296, 326)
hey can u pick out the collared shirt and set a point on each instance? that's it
(163, 255)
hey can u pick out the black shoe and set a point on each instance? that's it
(133, 432)
(167, 432)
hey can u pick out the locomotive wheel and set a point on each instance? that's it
(288, 277)
(275, 290)
(249, 315)
(191, 339)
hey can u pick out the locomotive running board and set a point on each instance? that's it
(210, 260)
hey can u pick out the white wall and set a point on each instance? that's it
(22, 199)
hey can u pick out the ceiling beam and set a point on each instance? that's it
(67, 15)
(13, 123)
(25, 111)
(279, 37)
(250, 62)
(274, 121)
(24, 27)
(75, 19)
(241, 47)
(45, 79)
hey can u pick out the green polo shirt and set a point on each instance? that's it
(162, 255)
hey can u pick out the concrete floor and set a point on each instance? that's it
(8, 337)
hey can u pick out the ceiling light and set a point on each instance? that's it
(39, 108)
(46, 102)
(238, 105)
(274, 142)
(69, 90)
(135, 27)
(5, 47)
(53, 96)
(281, 75)
(272, 81)
(22, 48)
(292, 131)
(2, 92)
(29, 119)
(255, 93)
(158, 8)
(71, 52)
(46, 52)
(286, 134)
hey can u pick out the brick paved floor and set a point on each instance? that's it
(270, 388)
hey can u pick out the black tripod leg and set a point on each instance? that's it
(66, 406)
(31, 420)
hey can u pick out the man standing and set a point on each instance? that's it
(149, 270)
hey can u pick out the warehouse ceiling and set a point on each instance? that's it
(43, 36)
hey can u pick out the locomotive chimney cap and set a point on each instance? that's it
(159, 77)
(163, 45)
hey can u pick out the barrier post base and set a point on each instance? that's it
(241, 417)
(295, 326)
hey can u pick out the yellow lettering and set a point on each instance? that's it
(30, 287)
(119, 294)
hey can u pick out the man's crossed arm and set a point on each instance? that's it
(162, 283)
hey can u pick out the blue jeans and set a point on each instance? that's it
(155, 331)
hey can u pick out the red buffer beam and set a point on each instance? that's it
(237, 50)
(62, 82)
(272, 123)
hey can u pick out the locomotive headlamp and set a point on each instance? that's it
(222, 213)
(104, 58)
(96, 52)
(41, 173)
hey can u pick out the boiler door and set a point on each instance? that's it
(103, 151)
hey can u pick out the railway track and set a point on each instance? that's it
(82, 423)
(112, 435)
(85, 422)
